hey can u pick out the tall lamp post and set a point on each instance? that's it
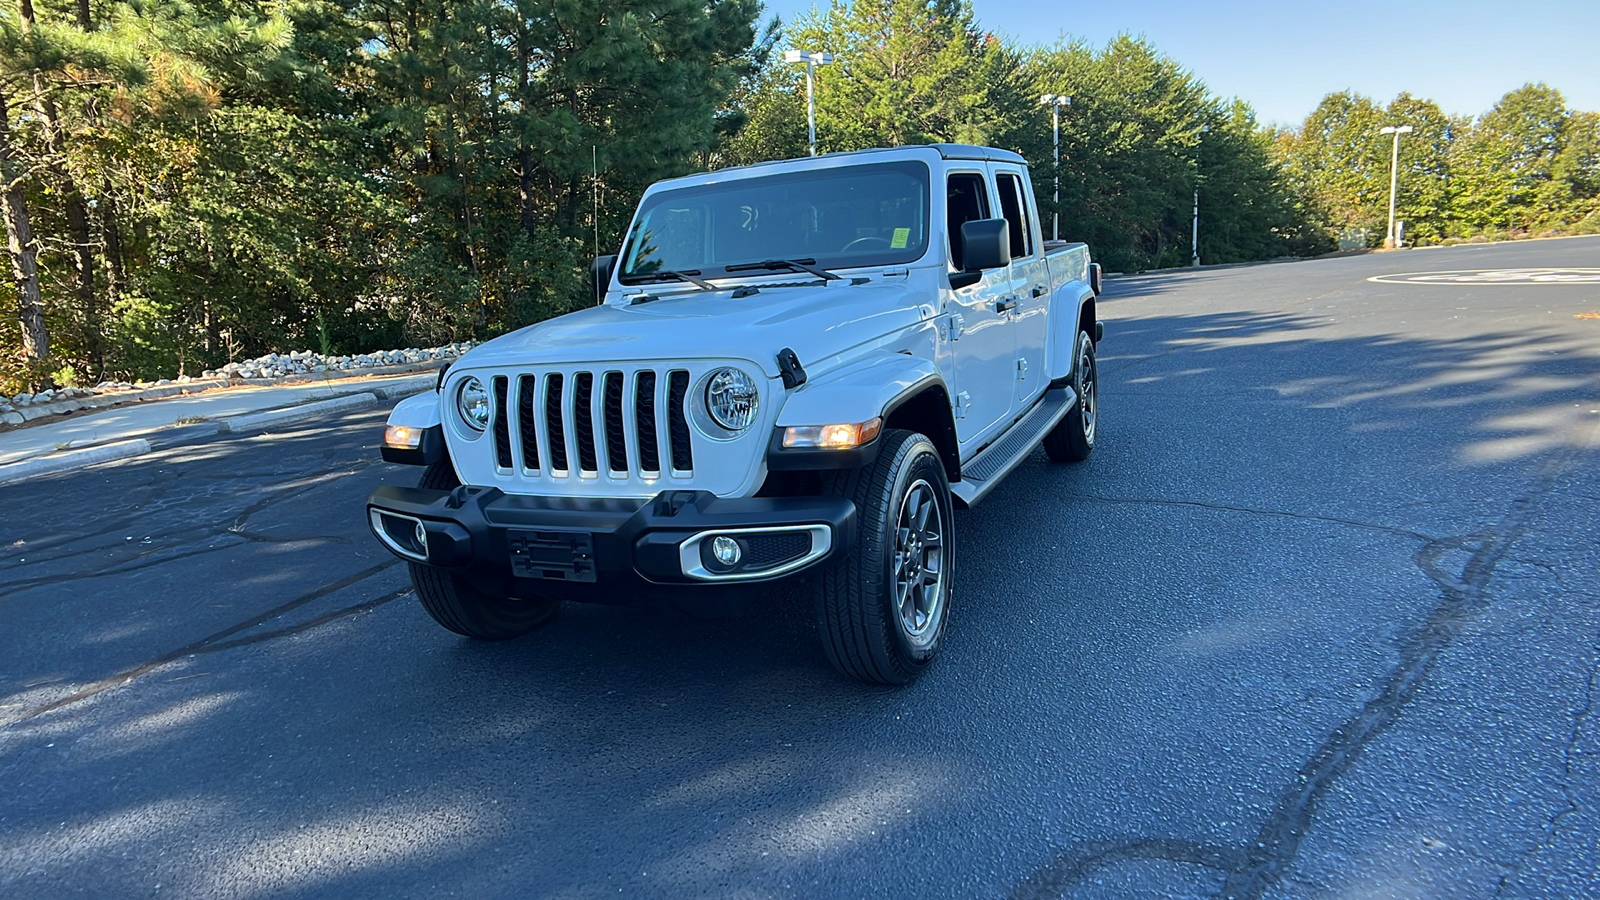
(1194, 232)
(1055, 102)
(812, 59)
(1394, 176)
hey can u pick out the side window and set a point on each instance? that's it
(1016, 213)
(967, 200)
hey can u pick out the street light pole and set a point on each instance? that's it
(1055, 102)
(1394, 176)
(812, 59)
(1194, 231)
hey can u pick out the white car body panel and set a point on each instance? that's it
(864, 340)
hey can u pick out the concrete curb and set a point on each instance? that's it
(72, 459)
(404, 387)
(261, 420)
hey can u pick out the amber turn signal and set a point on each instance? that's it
(403, 436)
(842, 436)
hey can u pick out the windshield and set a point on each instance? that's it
(865, 215)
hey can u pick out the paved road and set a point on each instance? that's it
(1319, 619)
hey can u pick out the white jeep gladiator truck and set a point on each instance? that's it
(795, 370)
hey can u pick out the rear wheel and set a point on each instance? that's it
(882, 605)
(452, 600)
(1072, 440)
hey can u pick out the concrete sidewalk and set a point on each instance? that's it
(53, 446)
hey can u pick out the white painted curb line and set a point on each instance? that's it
(258, 421)
(72, 459)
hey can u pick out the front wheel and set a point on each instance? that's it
(882, 605)
(452, 600)
(1072, 440)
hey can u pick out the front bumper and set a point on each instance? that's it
(512, 545)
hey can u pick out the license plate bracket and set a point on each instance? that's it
(552, 555)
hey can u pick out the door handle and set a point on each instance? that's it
(1007, 303)
(1039, 290)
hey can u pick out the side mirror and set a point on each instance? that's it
(1095, 278)
(600, 273)
(985, 244)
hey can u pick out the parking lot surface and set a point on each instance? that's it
(1319, 619)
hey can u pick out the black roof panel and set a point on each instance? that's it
(947, 151)
(972, 151)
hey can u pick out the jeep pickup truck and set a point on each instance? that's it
(795, 370)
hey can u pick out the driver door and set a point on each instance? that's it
(984, 348)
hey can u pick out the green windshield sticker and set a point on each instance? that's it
(901, 235)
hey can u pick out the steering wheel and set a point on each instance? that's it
(863, 240)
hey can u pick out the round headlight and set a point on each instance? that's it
(472, 402)
(731, 399)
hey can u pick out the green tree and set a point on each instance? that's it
(1129, 148)
(1506, 163)
(1344, 162)
(1422, 193)
(909, 72)
(521, 133)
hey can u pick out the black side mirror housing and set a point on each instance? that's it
(600, 273)
(985, 244)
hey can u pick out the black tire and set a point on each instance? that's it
(867, 633)
(453, 602)
(1072, 440)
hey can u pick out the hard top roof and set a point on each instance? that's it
(946, 151)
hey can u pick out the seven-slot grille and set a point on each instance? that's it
(630, 422)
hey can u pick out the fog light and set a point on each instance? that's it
(726, 551)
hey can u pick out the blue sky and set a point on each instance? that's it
(1283, 57)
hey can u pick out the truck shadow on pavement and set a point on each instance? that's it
(217, 683)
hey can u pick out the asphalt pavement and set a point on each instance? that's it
(1319, 619)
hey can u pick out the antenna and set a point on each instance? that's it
(594, 182)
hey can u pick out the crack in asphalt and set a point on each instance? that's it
(290, 490)
(1084, 859)
(23, 584)
(1266, 859)
(1224, 507)
(307, 625)
(1553, 824)
(218, 640)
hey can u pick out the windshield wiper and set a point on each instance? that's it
(687, 275)
(794, 265)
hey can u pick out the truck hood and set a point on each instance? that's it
(817, 322)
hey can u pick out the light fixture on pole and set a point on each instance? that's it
(1194, 233)
(1394, 176)
(1055, 102)
(812, 59)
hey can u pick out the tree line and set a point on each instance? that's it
(191, 181)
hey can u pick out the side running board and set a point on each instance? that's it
(983, 472)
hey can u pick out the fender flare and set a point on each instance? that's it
(1061, 348)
